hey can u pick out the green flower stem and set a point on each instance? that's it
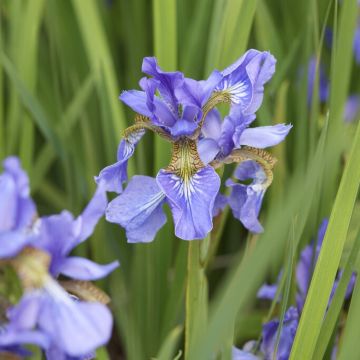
(196, 293)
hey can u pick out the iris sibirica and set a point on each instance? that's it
(68, 318)
(183, 112)
(304, 271)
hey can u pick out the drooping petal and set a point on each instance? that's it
(245, 202)
(352, 108)
(191, 200)
(92, 213)
(139, 209)
(114, 175)
(77, 327)
(10, 337)
(244, 80)
(287, 335)
(83, 269)
(220, 202)
(207, 149)
(262, 136)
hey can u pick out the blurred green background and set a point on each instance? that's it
(63, 64)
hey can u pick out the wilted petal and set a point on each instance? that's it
(139, 209)
(114, 175)
(191, 201)
(207, 149)
(287, 335)
(262, 136)
(83, 269)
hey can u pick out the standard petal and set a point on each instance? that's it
(168, 81)
(139, 209)
(191, 201)
(207, 149)
(8, 203)
(212, 125)
(244, 80)
(262, 136)
(83, 269)
(137, 100)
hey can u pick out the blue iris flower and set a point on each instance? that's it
(183, 111)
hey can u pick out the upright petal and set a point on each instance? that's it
(191, 200)
(168, 81)
(207, 149)
(262, 136)
(212, 125)
(244, 80)
(114, 175)
(139, 209)
(92, 213)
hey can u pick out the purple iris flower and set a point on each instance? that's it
(323, 81)
(238, 354)
(17, 210)
(183, 111)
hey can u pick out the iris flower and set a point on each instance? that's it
(183, 112)
(68, 318)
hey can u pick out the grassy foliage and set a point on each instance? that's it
(63, 65)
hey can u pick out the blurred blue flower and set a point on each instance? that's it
(38, 249)
(17, 209)
(304, 271)
(183, 111)
(323, 81)
(352, 108)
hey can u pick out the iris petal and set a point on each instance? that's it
(191, 201)
(139, 209)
